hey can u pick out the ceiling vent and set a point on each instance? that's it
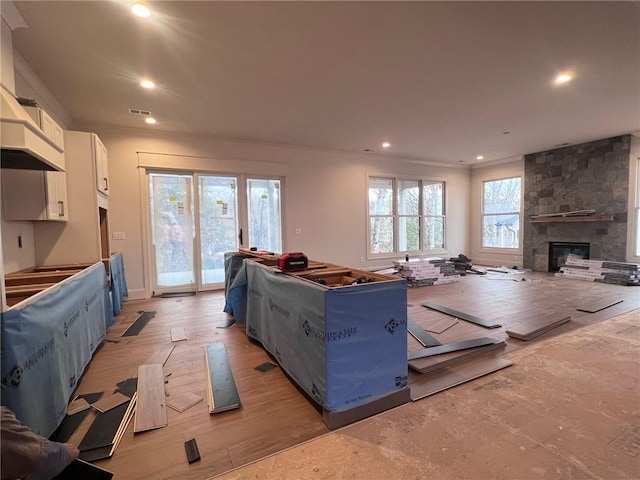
(137, 111)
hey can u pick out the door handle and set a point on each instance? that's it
(240, 237)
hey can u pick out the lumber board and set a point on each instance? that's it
(461, 315)
(450, 347)
(222, 393)
(178, 334)
(422, 336)
(599, 305)
(444, 379)
(151, 411)
(131, 410)
(445, 360)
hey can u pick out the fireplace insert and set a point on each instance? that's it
(559, 251)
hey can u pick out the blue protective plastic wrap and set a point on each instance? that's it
(345, 347)
(47, 341)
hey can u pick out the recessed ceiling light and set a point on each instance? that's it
(141, 10)
(562, 78)
(479, 157)
(150, 120)
(147, 83)
(386, 145)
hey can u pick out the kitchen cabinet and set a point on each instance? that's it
(49, 127)
(30, 195)
(84, 238)
(102, 165)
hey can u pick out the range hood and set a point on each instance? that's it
(24, 145)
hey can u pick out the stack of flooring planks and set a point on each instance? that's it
(617, 273)
(427, 271)
(222, 393)
(452, 354)
(532, 327)
(442, 366)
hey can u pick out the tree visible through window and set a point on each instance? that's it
(405, 215)
(501, 213)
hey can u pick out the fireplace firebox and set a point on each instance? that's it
(559, 251)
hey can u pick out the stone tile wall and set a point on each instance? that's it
(592, 175)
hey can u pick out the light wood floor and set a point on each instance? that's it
(275, 415)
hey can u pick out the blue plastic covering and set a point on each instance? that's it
(344, 346)
(235, 286)
(119, 291)
(47, 342)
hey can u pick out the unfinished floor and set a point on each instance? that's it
(568, 407)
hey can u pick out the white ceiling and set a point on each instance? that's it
(441, 81)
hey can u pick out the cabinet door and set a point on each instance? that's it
(102, 165)
(56, 196)
(51, 129)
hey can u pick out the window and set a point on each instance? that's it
(405, 215)
(501, 208)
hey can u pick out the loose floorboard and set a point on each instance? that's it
(151, 411)
(275, 414)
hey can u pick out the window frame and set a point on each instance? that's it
(519, 213)
(396, 217)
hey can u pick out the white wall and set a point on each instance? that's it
(491, 256)
(325, 193)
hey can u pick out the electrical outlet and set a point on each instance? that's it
(117, 236)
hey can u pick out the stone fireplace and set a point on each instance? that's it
(592, 175)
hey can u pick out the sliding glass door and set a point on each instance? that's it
(218, 225)
(172, 231)
(192, 228)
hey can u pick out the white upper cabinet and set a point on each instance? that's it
(29, 195)
(102, 165)
(49, 127)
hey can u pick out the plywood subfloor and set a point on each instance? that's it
(275, 415)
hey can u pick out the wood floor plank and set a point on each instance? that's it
(464, 316)
(451, 347)
(441, 325)
(182, 402)
(178, 334)
(419, 333)
(440, 380)
(599, 305)
(151, 411)
(222, 393)
(160, 356)
(108, 402)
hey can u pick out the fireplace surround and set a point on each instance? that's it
(592, 175)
